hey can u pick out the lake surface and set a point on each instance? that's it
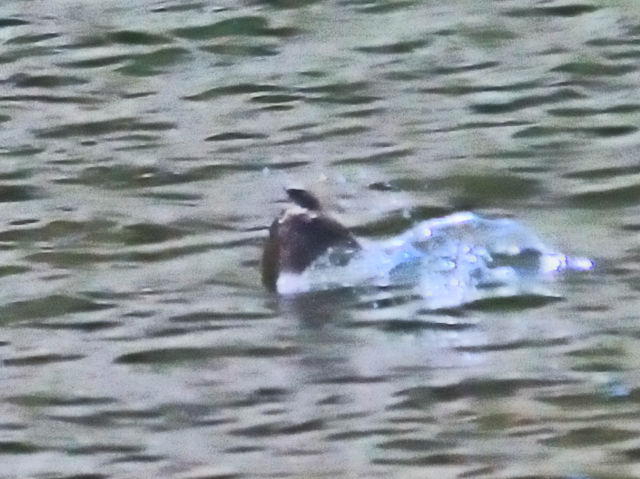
(144, 147)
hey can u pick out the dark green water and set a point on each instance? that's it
(143, 150)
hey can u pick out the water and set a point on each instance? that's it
(447, 262)
(143, 151)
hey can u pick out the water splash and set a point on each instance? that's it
(448, 261)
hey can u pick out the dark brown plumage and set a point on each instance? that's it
(299, 235)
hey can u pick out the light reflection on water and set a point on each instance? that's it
(143, 151)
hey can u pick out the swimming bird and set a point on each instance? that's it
(298, 236)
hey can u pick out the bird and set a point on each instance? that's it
(299, 235)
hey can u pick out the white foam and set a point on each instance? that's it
(580, 264)
(292, 283)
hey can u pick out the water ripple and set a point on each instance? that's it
(394, 48)
(527, 102)
(41, 359)
(12, 22)
(180, 354)
(152, 63)
(238, 26)
(590, 436)
(50, 306)
(280, 428)
(44, 400)
(592, 68)
(13, 193)
(607, 198)
(419, 397)
(18, 447)
(103, 127)
(137, 37)
(239, 89)
(569, 10)
(24, 80)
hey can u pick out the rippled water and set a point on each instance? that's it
(143, 151)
